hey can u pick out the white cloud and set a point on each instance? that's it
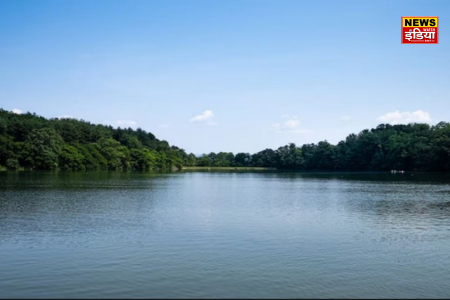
(126, 123)
(396, 117)
(292, 124)
(346, 118)
(205, 116)
(17, 111)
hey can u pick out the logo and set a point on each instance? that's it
(419, 30)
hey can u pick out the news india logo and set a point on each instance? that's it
(419, 30)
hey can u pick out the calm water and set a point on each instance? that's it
(224, 235)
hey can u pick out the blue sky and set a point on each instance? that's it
(237, 76)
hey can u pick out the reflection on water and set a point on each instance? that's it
(224, 234)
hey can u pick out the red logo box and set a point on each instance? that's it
(420, 30)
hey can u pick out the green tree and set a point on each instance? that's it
(71, 159)
(143, 159)
(204, 161)
(12, 164)
(290, 157)
(45, 146)
(242, 159)
(116, 155)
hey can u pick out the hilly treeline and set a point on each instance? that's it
(412, 147)
(33, 142)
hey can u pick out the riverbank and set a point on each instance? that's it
(182, 169)
(226, 168)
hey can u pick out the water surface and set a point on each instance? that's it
(224, 235)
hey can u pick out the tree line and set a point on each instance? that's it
(412, 147)
(33, 142)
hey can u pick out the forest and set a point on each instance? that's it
(29, 141)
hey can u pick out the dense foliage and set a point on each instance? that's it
(33, 142)
(412, 147)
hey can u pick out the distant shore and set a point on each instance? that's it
(182, 169)
(225, 168)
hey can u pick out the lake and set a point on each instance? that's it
(224, 235)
